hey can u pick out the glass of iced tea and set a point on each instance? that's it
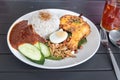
(111, 15)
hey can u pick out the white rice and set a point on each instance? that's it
(42, 27)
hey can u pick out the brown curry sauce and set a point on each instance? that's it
(24, 33)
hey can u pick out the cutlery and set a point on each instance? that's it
(105, 42)
(114, 36)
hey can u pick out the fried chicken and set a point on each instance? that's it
(77, 26)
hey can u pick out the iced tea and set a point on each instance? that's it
(111, 16)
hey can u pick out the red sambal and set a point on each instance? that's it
(24, 33)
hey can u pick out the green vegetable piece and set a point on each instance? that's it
(54, 58)
(69, 34)
(81, 42)
(37, 44)
(32, 53)
(45, 50)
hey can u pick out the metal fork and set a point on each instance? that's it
(105, 42)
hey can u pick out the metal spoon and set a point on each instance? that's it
(114, 36)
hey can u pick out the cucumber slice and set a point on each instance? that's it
(32, 53)
(45, 50)
(54, 58)
(37, 44)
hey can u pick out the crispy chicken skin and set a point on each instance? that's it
(77, 26)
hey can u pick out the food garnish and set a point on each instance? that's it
(45, 50)
(81, 42)
(45, 15)
(32, 53)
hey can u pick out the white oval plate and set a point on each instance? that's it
(89, 49)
